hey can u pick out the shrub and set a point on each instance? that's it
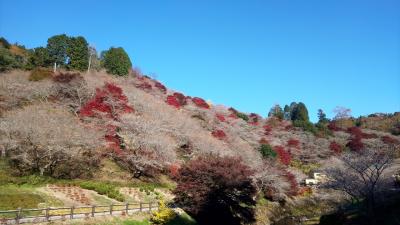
(39, 74)
(242, 116)
(172, 101)
(144, 85)
(109, 190)
(333, 126)
(267, 151)
(180, 98)
(355, 131)
(254, 119)
(220, 117)
(163, 214)
(293, 143)
(267, 129)
(117, 62)
(66, 77)
(217, 190)
(335, 147)
(294, 186)
(263, 141)
(305, 125)
(389, 140)
(355, 144)
(199, 102)
(160, 87)
(284, 156)
(220, 134)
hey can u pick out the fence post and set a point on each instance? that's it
(93, 210)
(18, 215)
(150, 207)
(72, 213)
(141, 207)
(47, 214)
(127, 208)
(111, 209)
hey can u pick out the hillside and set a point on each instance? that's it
(67, 125)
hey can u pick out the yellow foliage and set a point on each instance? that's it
(163, 214)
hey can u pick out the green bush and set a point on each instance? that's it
(104, 189)
(267, 151)
(40, 74)
(242, 116)
(306, 126)
(116, 61)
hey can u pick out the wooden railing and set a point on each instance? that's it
(21, 216)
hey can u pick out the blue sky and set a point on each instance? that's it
(246, 54)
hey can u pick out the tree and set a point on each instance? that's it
(57, 46)
(78, 53)
(116, 61)
(360, 176)
(40, 58)
(322, 117)
(342, 113)
(267, 151)
(4, 42)
(300, 112)
(286, 112)
(276, 111)
(216, 190)
(49, 142)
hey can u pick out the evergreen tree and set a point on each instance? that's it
(78, 53)
(116, 61)
(322, 117)
(300, 112)
(286, 112)
(39, 58)
(276, 111)
(57, 47)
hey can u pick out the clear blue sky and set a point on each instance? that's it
(247, 54)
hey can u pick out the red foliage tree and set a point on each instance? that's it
(293, 143)
(267, 129)
(216, 190)
(355, 144)
(294, 186)
(263, 141)
(220, 134)
(174, 170)
(333, 126)
(144, 85)
(160, 87)
(389, 140)
(220, 117)
(108, 103)
(172, 101)
(355, 131)
(284, 156)
(199, 102)
(335, 147)
(254, 119)
(180, 98)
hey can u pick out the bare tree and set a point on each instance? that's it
(48, 140)
(360, 175)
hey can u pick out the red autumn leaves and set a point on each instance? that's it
(108, 103)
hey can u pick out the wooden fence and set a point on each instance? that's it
(21, 216)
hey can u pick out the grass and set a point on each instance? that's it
(183, 219)
(102, 188)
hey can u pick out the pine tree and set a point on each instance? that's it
(116, 61)
(78, 53)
